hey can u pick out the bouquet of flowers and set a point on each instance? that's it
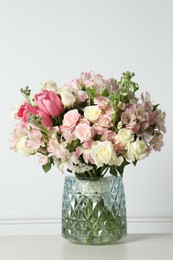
(88, 126)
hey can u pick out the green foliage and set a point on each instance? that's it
(127, 84)
(47, 167)
(115, 98)
(26, 93)
(113, 170)
(155, 107)
(91, 92)
(120, 168)
(134, 162)
(72, 147)
(105, 92)
(56, 121)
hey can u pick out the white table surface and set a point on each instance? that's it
(133, 247)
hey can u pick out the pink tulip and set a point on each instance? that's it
(26, 109)
(49, 103)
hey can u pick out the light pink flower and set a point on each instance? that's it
(83, 132)
(97, 81)
(146, 100)
(160, 120)
(43, 160)
(105, 121)
(58, 150)
(112, 85)
(98, 129)
(35, 139)
(74, 85)
(157, 141)
(83, 120)
(68, 135)
(26, 140)
(102, 102)
(78, 152)
(128, 117)
(87, 144)
(49, 103)
(70, 120)
(109, 136)
(87, 156)
(82, 96)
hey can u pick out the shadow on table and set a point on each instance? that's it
(136, 237)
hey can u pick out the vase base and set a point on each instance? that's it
(95, 241)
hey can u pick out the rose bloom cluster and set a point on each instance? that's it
(89, 126)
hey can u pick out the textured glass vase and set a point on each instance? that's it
(93, 211)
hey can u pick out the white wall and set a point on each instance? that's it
(59, 39)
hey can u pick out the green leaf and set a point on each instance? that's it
(155, 107)
(105, 92)
(135, 162)
(91, 92)
(47, 167)
(135, 86)
(76, 143)
(72, 146)
(26, 93)
(56, 121)
(113, 170)
(117, 96)
(120, 168)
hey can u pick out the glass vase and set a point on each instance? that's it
(93, 210)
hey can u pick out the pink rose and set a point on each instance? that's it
(49, 103)
(105, 121)
(83, 132)
(26, 109)
(70, 120)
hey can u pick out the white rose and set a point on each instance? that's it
(67, 97)
(50, 85)
(14, 112)
(124, 136)
(137, 150)
(102, 153)
(21, 147)
(92, 113)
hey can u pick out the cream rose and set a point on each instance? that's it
(124, 136)
(67, 97)
(102, 153)
(50, 85)
(21, 147)
(92, 113)
(137, 150)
